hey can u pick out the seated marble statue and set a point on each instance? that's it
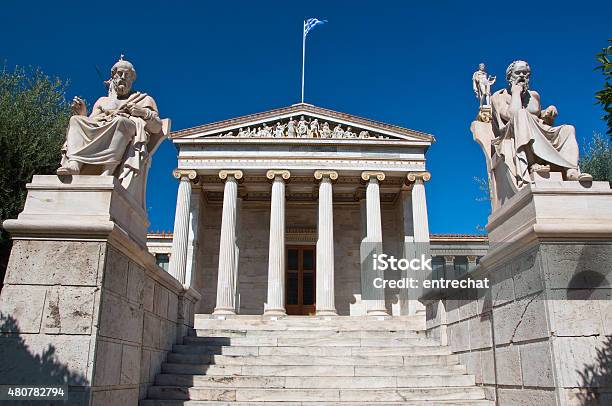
(525, 135)
(115, 138)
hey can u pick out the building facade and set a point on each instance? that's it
(452, 254)
(273, 209)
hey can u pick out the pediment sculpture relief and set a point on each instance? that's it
(519, 137)
(118, 137)
(302, 127)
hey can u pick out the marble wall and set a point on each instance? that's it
(254, 226)
(90, 315)
(538, 337)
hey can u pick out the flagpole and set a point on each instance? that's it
(303, 57)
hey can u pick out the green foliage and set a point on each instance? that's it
(597, 158)
(604, 96)
(34, 115)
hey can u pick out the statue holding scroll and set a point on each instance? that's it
(118, 137)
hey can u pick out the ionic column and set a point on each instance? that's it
(325, 245)
(471, 262)
(420, 224)
(449, 267)
(407, 297)
(275, 305)
(194, 237)
(227, 248)
(376, 306)
(180, 239)
(419, 206)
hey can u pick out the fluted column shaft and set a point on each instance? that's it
(180, 239)
(275, 305)
(449, 267)
(376, 306)
(227, 248)
(326, 305)
(419, 210)
(374, 221)
(472, 262)
(420, 223)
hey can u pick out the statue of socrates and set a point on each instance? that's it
(525, 134)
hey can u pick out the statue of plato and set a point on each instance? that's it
(114, 138)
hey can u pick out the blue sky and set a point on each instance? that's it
(404, 63)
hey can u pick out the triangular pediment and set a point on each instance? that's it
(302, 121)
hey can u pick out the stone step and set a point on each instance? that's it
(310, 370)
(310, 333)
(400, 350)
(316, 395)
(159, 402)
(311, 360)
(340, 323)
(323, 351)
(308, 361)
(260, 341)
(362, 382)
(220, 349)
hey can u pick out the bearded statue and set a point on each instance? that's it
(525, 135)
(118, 137)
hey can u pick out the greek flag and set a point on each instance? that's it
(310, 24)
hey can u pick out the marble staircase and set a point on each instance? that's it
(308, 361)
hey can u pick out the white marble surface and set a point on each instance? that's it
(275, 305)
(325, 302)
(227, 248)
(178, 258)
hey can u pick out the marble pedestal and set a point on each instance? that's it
(84, 303)
(541, 333)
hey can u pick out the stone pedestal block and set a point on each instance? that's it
(85, 206)
(541, 330)
(84, 303)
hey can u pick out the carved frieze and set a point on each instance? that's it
(302, 127)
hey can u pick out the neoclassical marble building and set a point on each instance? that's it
(272, 209)
(451, 253)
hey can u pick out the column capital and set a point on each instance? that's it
(184, 173)
(367, 175)
(225, 173)
(414, 176)
(449, 259)
(472, 258)
(273, 173)
(320, 174)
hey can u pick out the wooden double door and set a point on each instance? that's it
(300, 279)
